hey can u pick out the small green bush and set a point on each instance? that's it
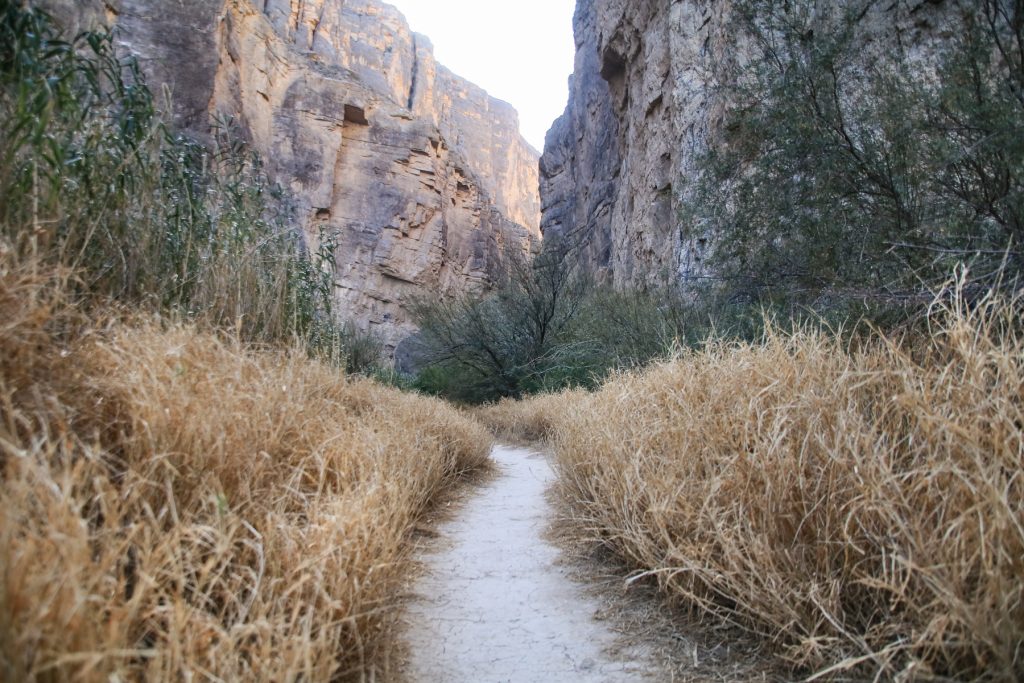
(501, 345)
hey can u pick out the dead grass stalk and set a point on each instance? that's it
(175, 505)
(861, 509)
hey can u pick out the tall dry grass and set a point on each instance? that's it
(860, 509)
(524, 421)
(175, 506)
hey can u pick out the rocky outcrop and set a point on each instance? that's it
(174, 42)
(419, 178)
(642, 106)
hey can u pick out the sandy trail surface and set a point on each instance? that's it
(495, 605)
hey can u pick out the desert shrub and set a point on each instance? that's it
(614, 330)
(858, 507)
(851, 171)
(359, 352)
(547, 327)
(500, 344)
(173, 502)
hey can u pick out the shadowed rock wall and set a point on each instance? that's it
(641, 107)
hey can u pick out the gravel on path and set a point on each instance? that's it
(495, 605)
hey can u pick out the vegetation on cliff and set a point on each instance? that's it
(855, 175)
(95, 181)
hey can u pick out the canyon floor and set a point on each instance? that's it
(497, 601)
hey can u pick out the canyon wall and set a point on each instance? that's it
(642, 106)
(419, 178)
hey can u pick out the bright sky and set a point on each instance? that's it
(521, 52)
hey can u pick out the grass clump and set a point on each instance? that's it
(527, 421)
(174, 504)
(860, 507)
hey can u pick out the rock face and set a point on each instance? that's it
(419, 178)
(641, 107)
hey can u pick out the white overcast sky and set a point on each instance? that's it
(521, 52)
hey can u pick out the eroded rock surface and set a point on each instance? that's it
(419, 177)
(642, 105)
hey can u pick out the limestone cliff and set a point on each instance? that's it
(641, 107)
(419, 177)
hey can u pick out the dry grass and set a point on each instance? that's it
(524, 421)
(861, 510)
(177, 507)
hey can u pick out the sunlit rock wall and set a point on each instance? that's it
(420, 178)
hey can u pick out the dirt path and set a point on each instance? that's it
(495, 606)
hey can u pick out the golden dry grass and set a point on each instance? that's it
(175, 506)
(524, 421)
(861, 510)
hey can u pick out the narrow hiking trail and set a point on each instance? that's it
(494, 604)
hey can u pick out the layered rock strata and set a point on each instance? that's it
(419, 178)
(642, 106)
